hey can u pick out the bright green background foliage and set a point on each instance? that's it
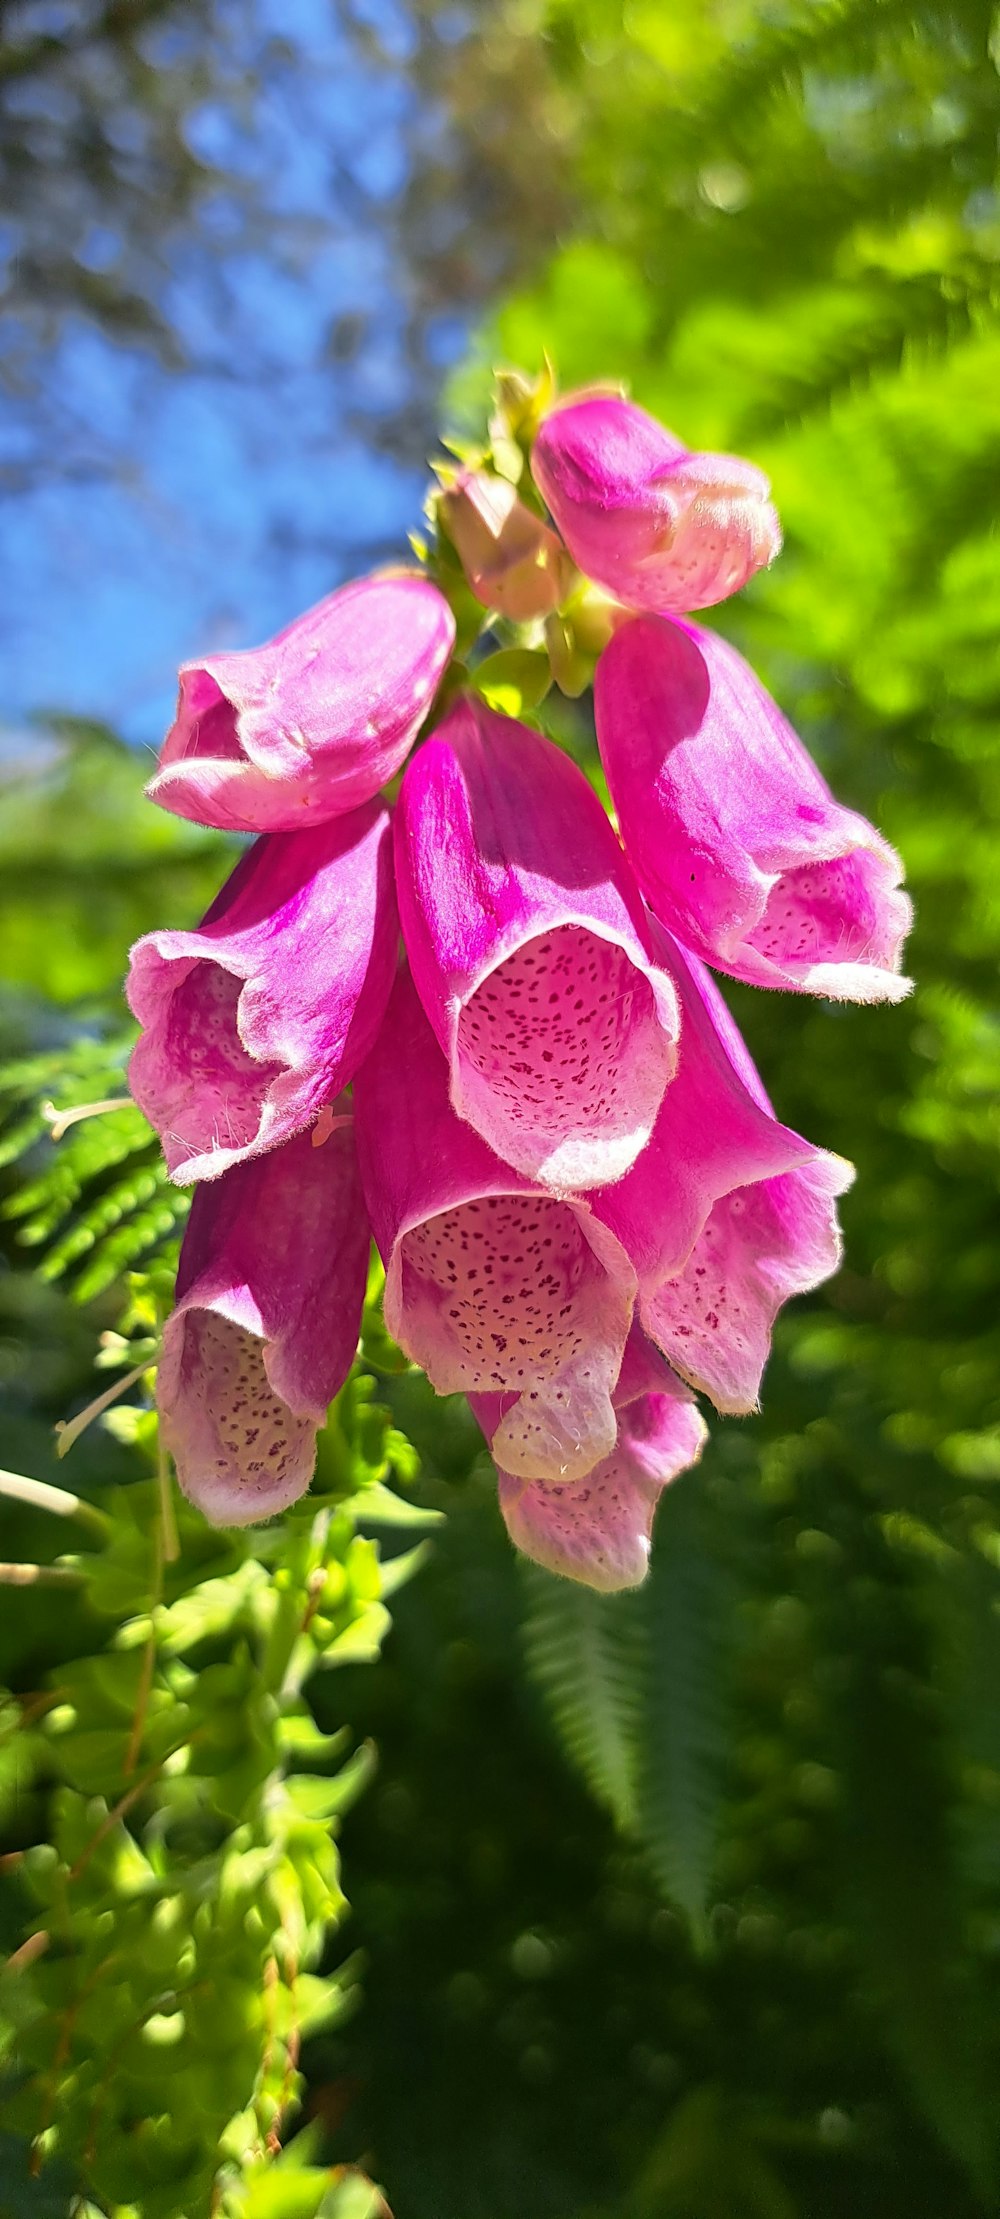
(685, 1905)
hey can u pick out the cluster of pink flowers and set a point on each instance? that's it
(584, 1203)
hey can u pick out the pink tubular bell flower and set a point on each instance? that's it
(282, 736)
(491, 1284)
(735, 838)
(654, 524)
(531, 951)
(258, 1017)
(770, 1230)
(270, 1292)
(715, 1132)
(597, 1529)
(512, 561)
(761, 1245)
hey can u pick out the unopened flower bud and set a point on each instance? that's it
(513, 562)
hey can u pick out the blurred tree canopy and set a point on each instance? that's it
(687, 1905)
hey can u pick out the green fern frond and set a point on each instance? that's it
(636, 1686)
(586, 1654)
(97, 1202)
(688, 1609)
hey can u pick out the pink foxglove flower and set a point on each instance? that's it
(512, 561)
(735, 838)
(258, 1017)
(491, 1284)
(769, 1234)
(531, 951)
(655, 525)
(274, 738)
(761, 1245)
(716, 1131)
(598, 1529)
(269, 1299)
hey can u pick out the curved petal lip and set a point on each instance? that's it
(315, 721)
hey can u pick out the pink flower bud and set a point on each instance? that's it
(512, 561)
(736, 840)
(278, 737)
(258, 1017)
(597, 1529)
(656, 525)
(531, 951)
(270, 1292)
(491, 1284)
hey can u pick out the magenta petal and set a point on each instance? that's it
(597, 1529)
(531, 951)
(654, 524)
(761, 1245)
(278, 737)
(715, 1131)
(270, 1292)
(257, 1018)
(491, 1284)
(735, 838)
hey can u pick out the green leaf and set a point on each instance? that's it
(586, 1652)
(683, 1742)
(514, 680)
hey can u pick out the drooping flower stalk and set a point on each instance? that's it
(586, 1207)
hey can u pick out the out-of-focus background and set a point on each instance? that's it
(689, 1910)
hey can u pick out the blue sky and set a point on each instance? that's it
(236, 491)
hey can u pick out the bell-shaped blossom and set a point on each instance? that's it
(657, 525)
(761, 1245)
(598, 1529)
(270, 1292)
(492, 1285)
(770, 1231)
(531, 951)
(273, 738)
(736, 840)
(513, 562)
(258, 1017)
(715, 1131)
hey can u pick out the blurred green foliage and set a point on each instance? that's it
(683, 1905)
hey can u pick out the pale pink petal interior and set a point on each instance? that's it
(241, 1453)
(761, 1245)
(595, 1529)
(206, 722)
(833, 912)
(713, 1321)
(562, 1058)
(225, 1087)
(499, 1293)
